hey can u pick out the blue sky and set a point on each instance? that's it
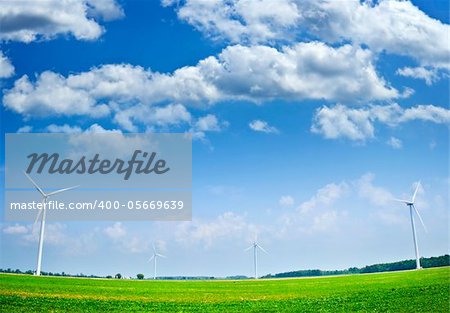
(305, 126)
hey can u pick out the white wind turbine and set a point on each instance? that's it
(255, 247)
(42, 213)
(154, 257)
(410, 204)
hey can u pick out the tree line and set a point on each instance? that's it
(443, 260)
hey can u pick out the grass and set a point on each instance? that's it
(409, 291)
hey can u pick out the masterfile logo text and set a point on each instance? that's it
(119, 176)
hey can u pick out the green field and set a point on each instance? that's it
(409, 291)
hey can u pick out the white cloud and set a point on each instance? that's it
(6, 68)
(207, 123)
(27, 21)
(170, 115)
(405, 30)
(116, 231)
(67, 129)
(51, 94)
(340, 121)
(286, 201)
(376, 195)
(321, 213)
(241, 21)
(15, 230)
(262, 126)
(25, 129)
(325, 197)
(429, 113)
(395, 143)
(304, 71)
(125, 241)
(325, 222)
(428, 75)
(108, 10)
(327, 210)
(227, 225)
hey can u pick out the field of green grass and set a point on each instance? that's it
(409, 291)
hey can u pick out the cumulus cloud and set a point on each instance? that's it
(15, 229)
(27, 21)
(405, 30)
(429, 113)
(320, 213)
(395, 143)
(376, 195)
(6, 68)
(227, 225)
(207, 123)
(325, 196)
(115, 231)
(326, 210)
(303, 71)
(262, 126)
(51, 94)
(67, 129)
(286, 201)
(170, 115)
(25, 129)
(340, 121)
(241, 21)
(343, 122)
(428, 75)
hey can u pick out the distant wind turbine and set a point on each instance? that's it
(255, 247)
(410, 204)
(42, 213)
(154, 257)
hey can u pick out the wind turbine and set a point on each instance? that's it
(255, 247)
(45, 197)
(410, 204)
(154, 257)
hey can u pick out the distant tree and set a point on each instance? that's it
(140, 276)
(118, 276)
(109, 276)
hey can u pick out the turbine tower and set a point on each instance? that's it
(154, 257)
(42, 213)
(255, 247)
(411, 206)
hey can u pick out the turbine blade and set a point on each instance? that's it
(400, 200)
(35, 185)
(151, 259)
(160, 255)
(249, 248)
(420, 218)
(262, 249)
(62, 190)
(415, 192)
